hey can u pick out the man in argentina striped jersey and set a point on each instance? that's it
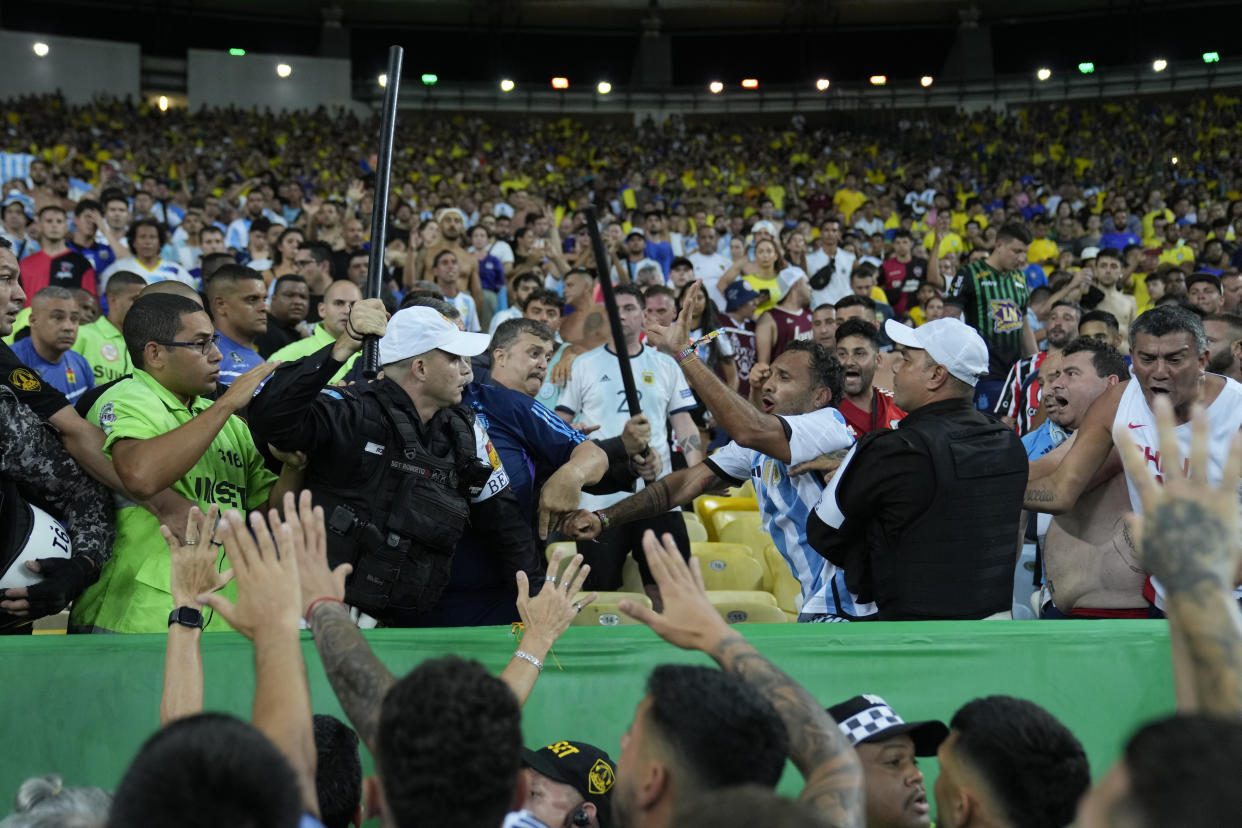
(796, 425)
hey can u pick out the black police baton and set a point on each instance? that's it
(603, 268)
(379, 214)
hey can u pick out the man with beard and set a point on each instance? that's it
(1019, 404)
(864, 407)
(1092, 568)
(1224, 340)
(888, 748)
(334, 312)
(452, 222)
(286, 315)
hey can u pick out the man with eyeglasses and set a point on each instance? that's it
(313, 262)
(163, 432)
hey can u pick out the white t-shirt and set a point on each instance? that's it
(502, 316)
(708, 268)
(1136, 417)
(501, 250)
(164, 270)
(596, 396)
(785, 504)
(839, 287)
(632, 268)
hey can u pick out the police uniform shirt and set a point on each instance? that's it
(42, 398)
(236, 360)
(596, 396)
(71, 376)
(786, 501)
(103, 345)
(132, 594)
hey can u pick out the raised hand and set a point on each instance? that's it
(244, 387)
(193, 562)
(547, 615)
(688, 619)
(268, 588)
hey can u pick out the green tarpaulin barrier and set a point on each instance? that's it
(81, 705)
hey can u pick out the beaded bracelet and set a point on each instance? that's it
(525, 656)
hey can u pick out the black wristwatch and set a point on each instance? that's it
(186, 617)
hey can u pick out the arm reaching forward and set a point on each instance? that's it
(833, 774)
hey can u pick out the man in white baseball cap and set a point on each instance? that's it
(399, 465)
(923, 518)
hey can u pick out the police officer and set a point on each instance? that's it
(923, 518)
(399, 465)
(37, 473)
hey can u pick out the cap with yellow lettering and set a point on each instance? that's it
(585, 768)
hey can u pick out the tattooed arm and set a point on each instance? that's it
(688, 438)
(676, 489)
(1188, 536)
(834, 781)
(358, 678)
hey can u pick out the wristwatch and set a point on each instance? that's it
(186, 617)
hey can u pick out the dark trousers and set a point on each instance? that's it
(606, 554)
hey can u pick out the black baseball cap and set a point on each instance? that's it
(681, 261)
(584, 767)
(868, 718)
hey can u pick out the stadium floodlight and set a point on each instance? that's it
(284, 70)
(41, 49)
(1174, 159)
(1044, 74)
(507, 85)
(879, 80)
(750, 83)
(430, 79)
(822, 84)
(560, 83)
(235, 52)
(604, 87)
(1086, 67)
(926, 81)
(1211, 57)
(715, 87)
(1159, 65)
(163, 103)
(383, 80)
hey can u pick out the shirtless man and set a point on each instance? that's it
(1170, 357)
(452, 224)
(587, 324)
(1091, 565)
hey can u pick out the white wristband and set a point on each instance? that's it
(525, 656)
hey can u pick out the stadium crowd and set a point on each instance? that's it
(943, 357)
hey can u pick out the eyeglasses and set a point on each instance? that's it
(204, 345)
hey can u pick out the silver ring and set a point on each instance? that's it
(190, 542)
(551, 578)
(577, 606)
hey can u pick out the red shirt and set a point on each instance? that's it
(902, 281)
(69, 270)
(884, 413)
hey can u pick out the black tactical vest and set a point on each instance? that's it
(957, 559)
(399, 528)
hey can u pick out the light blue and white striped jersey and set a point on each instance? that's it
(785, 503)
(522, 819)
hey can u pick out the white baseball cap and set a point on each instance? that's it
(950, 342)
(1088, 253)
(764, 225)
(787, 278)
(420, 329)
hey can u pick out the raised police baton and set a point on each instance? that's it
(379, 213)
(603, 267)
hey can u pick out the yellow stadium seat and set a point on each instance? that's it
(631, 576)
(706, 505)
(569, 547)
(605, 611)
(780, 581)
(747, 489)
(745, 528)
(695, 529)
(728, 566)
(747, 606)
(57, 624)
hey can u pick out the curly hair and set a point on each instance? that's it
(826, 370)
(450, 745)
